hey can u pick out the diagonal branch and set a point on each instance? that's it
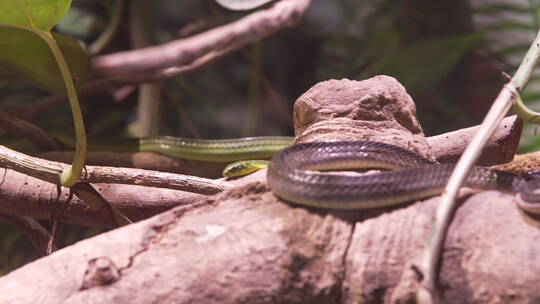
(29, 131)
(251, 28)
(34, 231)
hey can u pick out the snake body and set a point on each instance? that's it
(217, 150)
(291, 175)
(293, 172)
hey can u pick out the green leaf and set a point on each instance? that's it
(41, 14)
(22, 48)
(29, 18)
(241, 5)
(422, 65)
(29, 56)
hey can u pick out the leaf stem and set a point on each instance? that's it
(69, 176)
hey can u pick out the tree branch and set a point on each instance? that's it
(50, 171)
(253, 27)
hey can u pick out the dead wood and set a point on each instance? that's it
(245, 245)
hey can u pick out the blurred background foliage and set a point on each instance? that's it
(449, 55)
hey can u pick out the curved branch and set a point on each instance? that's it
(251, 28)
(34, 231)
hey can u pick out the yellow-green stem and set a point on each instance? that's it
(523, 73)
(69, 176)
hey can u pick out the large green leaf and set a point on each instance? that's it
(26, 25)
(41, 14)
(422, 65)
(29, 56)
(23, 25)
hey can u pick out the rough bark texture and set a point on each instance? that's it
(246, 246)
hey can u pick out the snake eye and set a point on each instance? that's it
(531, 190)
(533, 174)
(528, 198)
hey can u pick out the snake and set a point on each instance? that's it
(294, 174)
(294, 171)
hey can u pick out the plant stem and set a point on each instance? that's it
(70, 176)
(114, 24)
(427, 293)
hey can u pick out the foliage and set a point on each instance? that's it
(37, 17)
(30, 57)
(23, 49)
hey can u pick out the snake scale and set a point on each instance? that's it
(293, 174)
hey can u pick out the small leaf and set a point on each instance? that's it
(26, 54)
(42, 14)
(241, 5)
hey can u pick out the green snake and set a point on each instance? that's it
(293, 172)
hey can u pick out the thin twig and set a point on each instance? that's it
(27, 130)
(96, 201)
(112, 28)
(50, 171)
(427, 293)
(48, 103)
(34, 231)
